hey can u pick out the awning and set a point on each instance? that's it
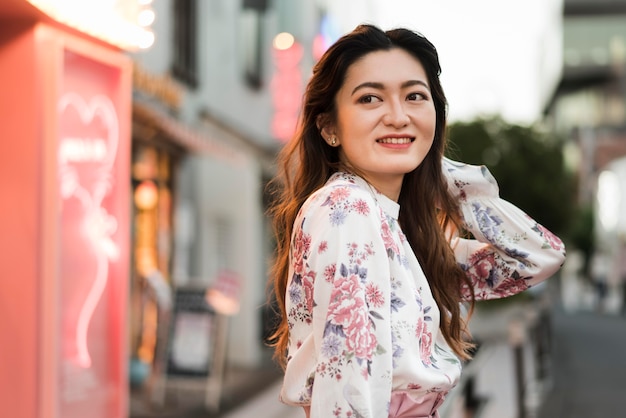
(184, 136)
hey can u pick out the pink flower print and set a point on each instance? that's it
(307, 284)
(345, 301)
(301, 245)
(554, 241)
(329, 272)
(359, 338)
(390, 244)
(302, 242)
(339, 194)
(347, 309)
(298, 263)
(361, 207)
(353, 249)
(482, 266)
(374, 295)
(322, 247)
(510, 287)
(426, 340)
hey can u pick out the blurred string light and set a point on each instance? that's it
(124, 23)
(283, 41)
(146, 17)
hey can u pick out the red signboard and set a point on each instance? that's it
(286, 88)
(93, 155)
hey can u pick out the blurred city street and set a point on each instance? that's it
(139, 143)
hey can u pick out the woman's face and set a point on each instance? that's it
(386, 118)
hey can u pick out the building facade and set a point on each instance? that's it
(589, 110)
(214, 99)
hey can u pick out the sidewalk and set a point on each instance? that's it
(184, 397)
(266, 405)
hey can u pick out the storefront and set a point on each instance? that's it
(161, 146)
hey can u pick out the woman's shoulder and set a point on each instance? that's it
(341, 195)
(342, 188)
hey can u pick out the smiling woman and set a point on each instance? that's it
(385, 120)
(371, 267)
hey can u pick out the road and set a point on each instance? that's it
(589, 366)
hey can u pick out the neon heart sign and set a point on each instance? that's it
(86, 156)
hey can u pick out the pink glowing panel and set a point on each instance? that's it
(286, 87)
(92, 156)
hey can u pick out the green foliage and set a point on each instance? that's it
(527, 163)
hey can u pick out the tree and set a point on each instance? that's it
(527, 163)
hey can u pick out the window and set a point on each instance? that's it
(251, 27)
(185, 66)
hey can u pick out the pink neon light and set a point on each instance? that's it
(98, 225)
(286, 86)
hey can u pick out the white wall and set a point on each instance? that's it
(227, 234)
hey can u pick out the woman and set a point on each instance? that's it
(371, 269)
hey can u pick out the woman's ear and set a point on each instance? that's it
(326, 128)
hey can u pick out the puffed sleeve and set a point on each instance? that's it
(339, 359)
(509, 251)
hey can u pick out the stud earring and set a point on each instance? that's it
(333, 140)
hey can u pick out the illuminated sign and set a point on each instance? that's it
(92, 174)
(124, 23)
(78, 156)
(162, 87)
(327, 35)
(286, 86)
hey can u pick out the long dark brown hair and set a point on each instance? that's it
(427, 208)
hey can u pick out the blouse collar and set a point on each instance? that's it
(390, 207)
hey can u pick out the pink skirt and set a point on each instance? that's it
(404, 406)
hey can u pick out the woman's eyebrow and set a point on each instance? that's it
(381, 86)
(415, 83)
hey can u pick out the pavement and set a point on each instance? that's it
(186, 397)
(589, 363)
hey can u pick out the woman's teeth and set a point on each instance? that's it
(394, 140)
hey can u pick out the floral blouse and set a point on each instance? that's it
(363, 322)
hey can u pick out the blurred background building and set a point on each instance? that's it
(589, 110)
(214, 99)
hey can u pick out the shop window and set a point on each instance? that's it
(185, 66)
(251, 31)
(151, 250)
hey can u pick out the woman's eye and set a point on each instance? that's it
(416, 96)
(368, 98)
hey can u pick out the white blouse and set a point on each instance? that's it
(363, 322)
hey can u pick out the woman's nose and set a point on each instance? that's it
(396, 115)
